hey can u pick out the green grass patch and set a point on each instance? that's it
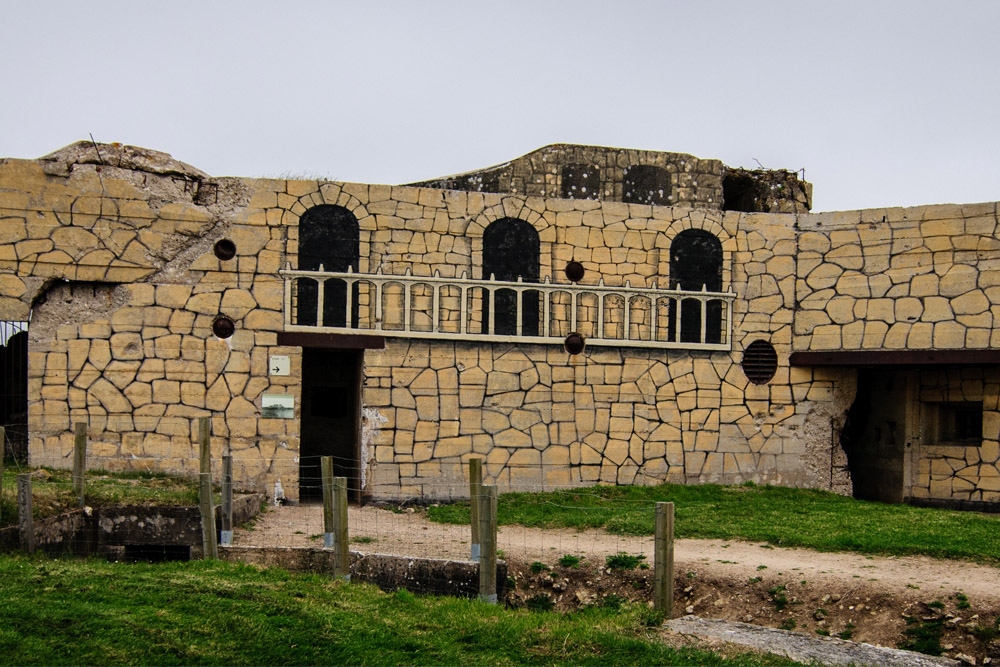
(624, 561)
(776, 515)
(569, 560)
(52, 490)
(91, 612)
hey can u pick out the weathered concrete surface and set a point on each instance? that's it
(432, 576)
(65, 532)
(88, 531)
(823, 650)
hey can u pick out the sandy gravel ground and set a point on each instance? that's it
(376, 530)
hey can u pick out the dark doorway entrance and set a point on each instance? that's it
(331, 419)
(14, 389)
(875, 436)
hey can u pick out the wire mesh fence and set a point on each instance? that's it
(148, 515)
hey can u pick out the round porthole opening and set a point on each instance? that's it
(225, 249)
(574, 271)
(575, 343)
(223, 327)
(760, 362)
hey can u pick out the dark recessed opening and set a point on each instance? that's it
(156, 553)
(581, 181)
(760, 362)
(574, 271)
(646, 184)
(741, 192)
(223, 327)
(225, 249)
(575, 343)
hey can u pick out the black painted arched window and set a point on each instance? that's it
(328, 236)
(646, 184)
(696, 263)
(511, 249)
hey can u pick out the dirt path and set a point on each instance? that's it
(875, 599)
(376, 530)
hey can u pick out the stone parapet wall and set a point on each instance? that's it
(899, 279)
(595, 172)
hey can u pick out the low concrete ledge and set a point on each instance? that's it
(821, 650)
(432, 576)
(92, 531)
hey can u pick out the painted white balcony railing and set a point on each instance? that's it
(409, 306)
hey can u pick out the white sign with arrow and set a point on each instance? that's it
(278, 365)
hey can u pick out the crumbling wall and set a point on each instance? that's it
(765, 191)
(693, 182)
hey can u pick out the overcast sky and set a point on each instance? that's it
(882, 103)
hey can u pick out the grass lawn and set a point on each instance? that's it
(205, 612)
(780, 516)
(52, 490)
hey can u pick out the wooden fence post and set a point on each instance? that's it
(663, 559)
(227, 501)
(79, 458)
(25, 521)
(326, 474)
(209, 545)
(488, 544)
(341, 553)
(475, 490)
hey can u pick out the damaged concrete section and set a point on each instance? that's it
(637, 177)
(431, 576)
(105, 531)
(802, 648)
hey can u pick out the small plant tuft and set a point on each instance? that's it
(788, 624)
(538, 567)
(986, 633)
(652, 618)
(613, 601)
(569, 560)
(624, 561)
(778, 597)
(923, 636)
(539, 602)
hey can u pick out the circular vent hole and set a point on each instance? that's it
(575, 343)
(225, 249)
(574, 271)
(223, 327)
(760, 361)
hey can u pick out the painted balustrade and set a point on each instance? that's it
(437, 307)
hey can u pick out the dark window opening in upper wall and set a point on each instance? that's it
(740, 192)
(696, 264)
(511, 250)
(328, 236)
(646, 184)
(581, 181)
(960, 424)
